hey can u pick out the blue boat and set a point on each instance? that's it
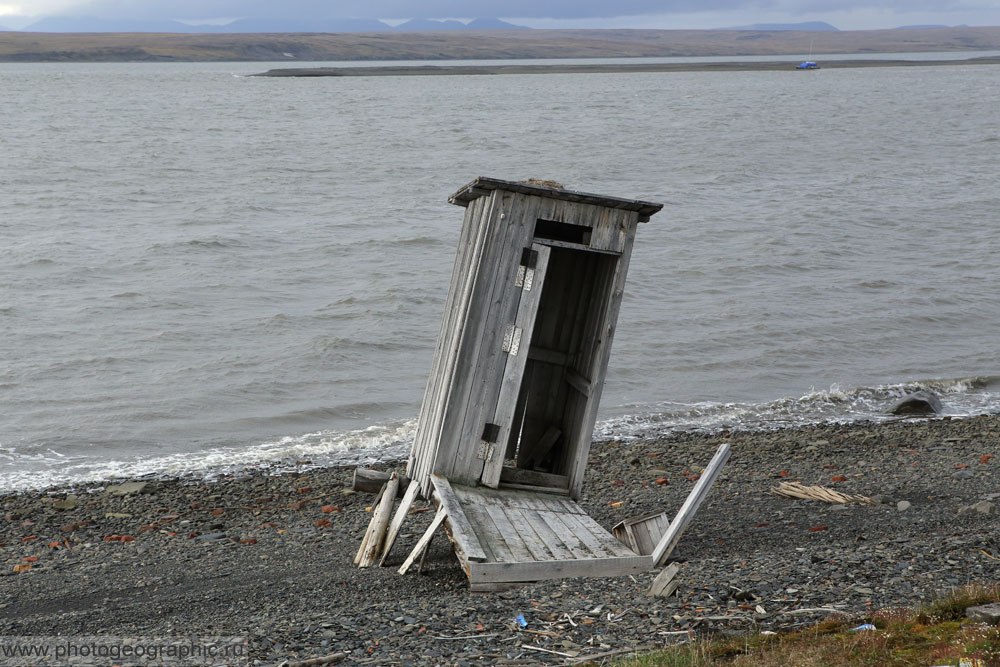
(808, 64)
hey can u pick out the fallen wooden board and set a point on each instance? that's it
(461, 529)
(424, 540)
(687, 511)
(665, 583)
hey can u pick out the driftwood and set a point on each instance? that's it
(797, 490)
(372, 481)
(397, 520)
(371, 545)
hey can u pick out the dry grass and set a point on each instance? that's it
(935, 634)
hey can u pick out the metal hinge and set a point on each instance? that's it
(511, 340)
(485, 451)
(526, 269)
(486, 448)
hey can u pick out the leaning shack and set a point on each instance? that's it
(507, 417)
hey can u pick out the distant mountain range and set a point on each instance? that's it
(808, 25)
(85, 24)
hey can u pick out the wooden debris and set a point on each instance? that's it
(372, 481)
(666, 582)
(642, 533)
(687, 511)
(397, 520)
(371, 545)
(424, 541)
(828, 495)
(313, 662)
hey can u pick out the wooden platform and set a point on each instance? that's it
(504, 536)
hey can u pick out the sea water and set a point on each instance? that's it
(203, 271)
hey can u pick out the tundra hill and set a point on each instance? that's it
(499, 44)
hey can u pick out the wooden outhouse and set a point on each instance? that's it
(523, 350)
(507, 417)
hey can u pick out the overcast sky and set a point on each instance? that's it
(845, 14)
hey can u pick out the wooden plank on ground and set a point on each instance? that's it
(511, 536)
(665, 583)
(547, 535)
(424, 540)
(540, 547)
(557, 569)
(596, 532)
(687, 511)
(566, 535)
(491, 542)
(397, 520)
(461, 529)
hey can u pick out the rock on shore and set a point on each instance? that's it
(269, 557)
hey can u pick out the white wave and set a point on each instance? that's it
(962, 397)
(379, 442)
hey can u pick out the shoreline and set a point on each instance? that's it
(253, 556)
(624, 68)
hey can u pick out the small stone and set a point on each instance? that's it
(903, 505)
(67, 504)
(126, 489)
(986, 613)
(963, 474)
(983, 507)
(210, 537)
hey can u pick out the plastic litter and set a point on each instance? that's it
(863, 627)
(520, 620)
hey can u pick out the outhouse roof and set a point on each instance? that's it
(483, 186)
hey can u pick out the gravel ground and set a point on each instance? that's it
(254, 556)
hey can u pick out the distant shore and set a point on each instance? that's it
(626, 68)
(26, 47)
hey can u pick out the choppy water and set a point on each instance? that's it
(202, 270)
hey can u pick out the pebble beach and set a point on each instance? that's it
(267, 555)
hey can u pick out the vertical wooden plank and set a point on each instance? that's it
(687, 511)
(371, 545)
(460, 395)
(429, 425)
(424, 540)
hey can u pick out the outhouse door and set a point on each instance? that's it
(516, 343)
